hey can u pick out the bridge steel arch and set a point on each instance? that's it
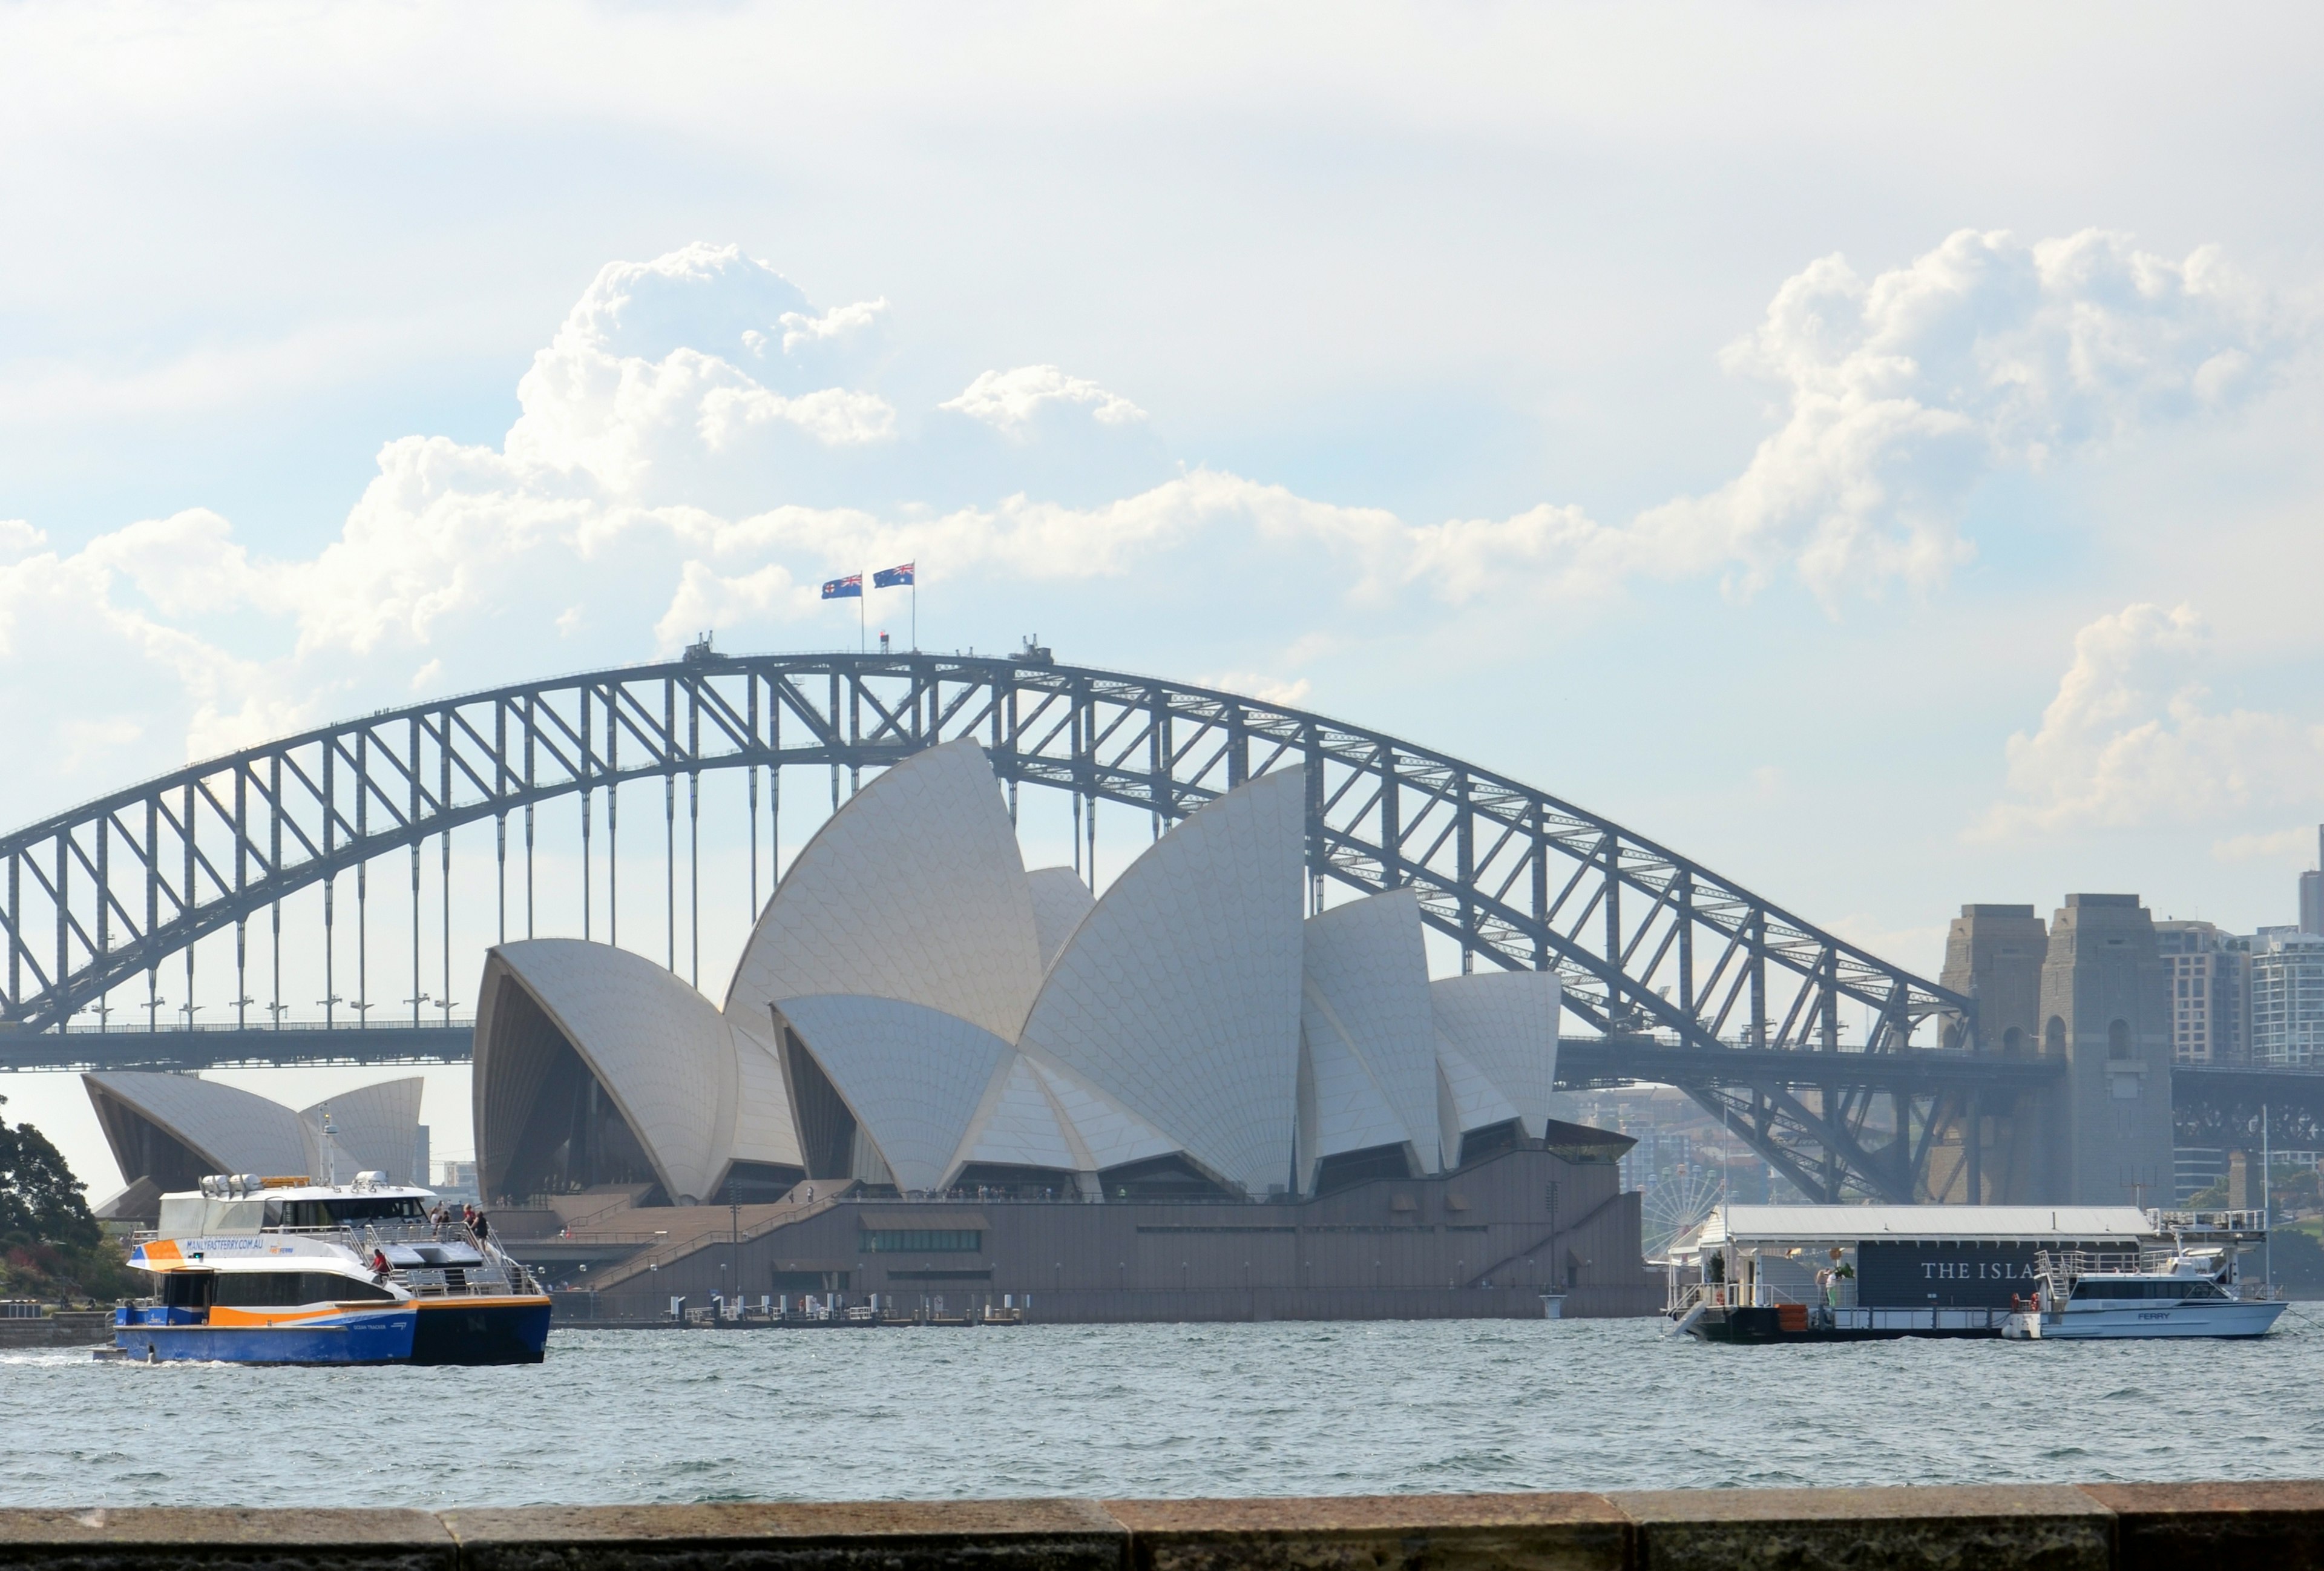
(1652, 947)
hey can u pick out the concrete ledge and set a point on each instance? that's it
(1989, 1527)
(2221, 1527)
(979, 1535)
(2142, 1527)
(1390, 1532)
(183, 1538)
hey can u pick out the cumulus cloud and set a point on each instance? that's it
(2133, 739)
(1899, 392)
(1011, 400)
(698, 443)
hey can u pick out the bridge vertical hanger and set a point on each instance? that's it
(750, 777)
(775, 800)
(669, 828)
(186, 896)
(330, 999)
(694, 832)
(418, 994)
(1465, 869)
(105, 909)
(444, 851)
(531, 736)
(273, 869)
(613, 816)
(241, 888)
(586, 932)
(500, 821)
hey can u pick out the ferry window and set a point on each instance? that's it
(278, 1290)
(186, 1289)
(340, 1210)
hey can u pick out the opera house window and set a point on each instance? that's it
(921, 1241)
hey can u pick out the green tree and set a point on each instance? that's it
(50, 1247)
(38, 1195)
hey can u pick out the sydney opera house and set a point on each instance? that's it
(936, 1071)
(168, 1132)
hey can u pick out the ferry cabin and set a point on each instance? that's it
(1771, 1274)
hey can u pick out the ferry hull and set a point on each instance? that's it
(2209, 1319)
(446, 1332)
(1764, 1327)
(457, 1331)
(378, 1336)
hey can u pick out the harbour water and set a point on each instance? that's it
(1159, 1410)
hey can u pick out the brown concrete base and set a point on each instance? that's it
(2140, 1527)
(66, 1328)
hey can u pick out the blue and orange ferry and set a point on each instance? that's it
(252, 1269)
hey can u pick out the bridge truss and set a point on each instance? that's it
(1651, 947)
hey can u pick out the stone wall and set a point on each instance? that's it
(2134, 1527)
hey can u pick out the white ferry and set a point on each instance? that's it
(282, 1270)
(2175, 1292)
(1758, 1274)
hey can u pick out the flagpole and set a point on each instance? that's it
(859, 617)
(916, 608)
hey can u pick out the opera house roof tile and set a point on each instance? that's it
(914, 891)
(1371, 1026)
(1178, 996)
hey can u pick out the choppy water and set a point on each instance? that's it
(1159, 1410)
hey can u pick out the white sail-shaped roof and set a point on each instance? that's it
(1060, 900)
(1178, 994)
(761, 1129)
(1469, 1100)
(1503, 1024)
(227, 1129)
(914, 891)
(1112, 1136)
(1371, 1026)
(1021, 1124)
(659, 1049)
(376, 1129)
(913, 1076)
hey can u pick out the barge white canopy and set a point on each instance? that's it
(1757, 1226)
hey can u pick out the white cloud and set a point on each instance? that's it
(2288, 847)
(2132, 739)
(698, 443)
(1011, 400)
(837, 324)
(1266, 689)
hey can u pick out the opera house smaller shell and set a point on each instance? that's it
(168, 1132)
(916, 1014)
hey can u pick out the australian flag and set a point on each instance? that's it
(850, 587)
(892, 578)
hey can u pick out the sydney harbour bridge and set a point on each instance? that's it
(1841, 1070)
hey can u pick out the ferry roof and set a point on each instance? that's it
(1830, 1224)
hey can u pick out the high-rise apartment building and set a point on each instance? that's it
(2287, 999)
(2209, 977)
(2312, 890)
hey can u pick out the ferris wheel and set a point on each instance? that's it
(1678, 1204)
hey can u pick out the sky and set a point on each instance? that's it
(1869, 451)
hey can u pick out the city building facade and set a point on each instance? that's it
(2287, 999)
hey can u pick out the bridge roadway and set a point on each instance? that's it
(2222, 1095)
